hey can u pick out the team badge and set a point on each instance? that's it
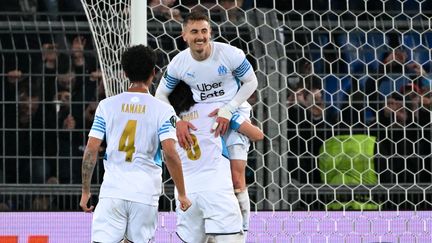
(173, 121)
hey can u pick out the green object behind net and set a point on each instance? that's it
(349, 160)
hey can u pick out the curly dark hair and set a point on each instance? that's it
(138, 62)
(181, 98)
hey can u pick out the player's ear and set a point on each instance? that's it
(152, 76)
(183, 34)
(154, 72)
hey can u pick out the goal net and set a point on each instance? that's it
(344, 94)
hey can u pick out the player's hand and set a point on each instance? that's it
(85, 197)
(185, 203)
(220, 127)
(183, 134)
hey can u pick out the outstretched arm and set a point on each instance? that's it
(88, 164)
(173, 163)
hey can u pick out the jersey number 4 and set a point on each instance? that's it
(127, 139)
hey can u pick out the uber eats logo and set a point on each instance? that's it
(209, 91)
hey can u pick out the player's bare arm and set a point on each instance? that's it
(183, 133)
(220, 127)
(173, 163)
(253, 132)
(88, 165)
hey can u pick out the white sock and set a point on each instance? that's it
(243, 199)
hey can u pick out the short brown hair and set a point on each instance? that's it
(195, 16)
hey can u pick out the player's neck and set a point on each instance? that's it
(203, 55)
(138, 87)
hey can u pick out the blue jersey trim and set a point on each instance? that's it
(224, 149)
(171, 81)
(158, 156)
(234, 125)
(242, 69)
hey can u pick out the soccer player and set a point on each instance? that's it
(216, 72)
(216, 212)
(134, 124)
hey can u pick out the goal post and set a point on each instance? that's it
(138, 30)
(115, 25)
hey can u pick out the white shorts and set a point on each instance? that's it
(237, 145)
(114, 219)
(211, 213)
(238, 151)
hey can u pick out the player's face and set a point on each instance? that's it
(197, 36)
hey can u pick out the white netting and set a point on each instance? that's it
(343, 94)
(110, 26)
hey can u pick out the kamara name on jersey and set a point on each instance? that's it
(133, 108)
(190, 116)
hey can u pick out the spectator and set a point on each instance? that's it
(84, 66)
(231, 11)
(26, 141)
(353, 117)
(306, 129)
(396, 73)
(71, 140)
(66, 81)
(399, 139)
(49, 70)
(45, 202)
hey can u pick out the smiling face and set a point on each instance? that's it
(196, 33)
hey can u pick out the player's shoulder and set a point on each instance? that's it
(181, 56)
(224, 47)
(228, 52)
(160, 106)
(105, 100)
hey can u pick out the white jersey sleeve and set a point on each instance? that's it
(240, 66)
(99, 126)
(167, 129)
(168, 82)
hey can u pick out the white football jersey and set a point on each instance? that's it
(133, 125)
(205, 165)
(215, 79)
